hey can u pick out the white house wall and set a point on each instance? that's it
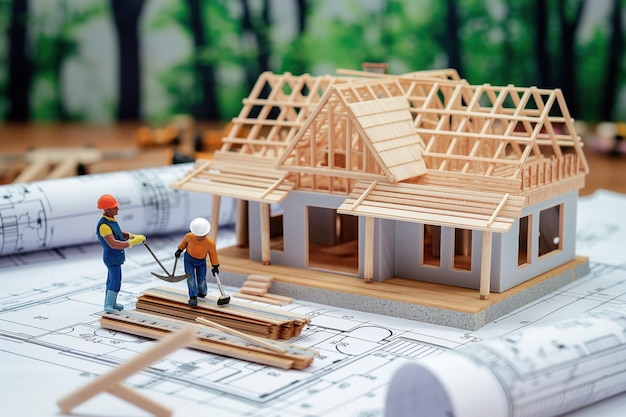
(408, 259)
(295, 227)
(398, 245)
(512, 275)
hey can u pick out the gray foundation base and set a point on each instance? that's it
(494, 309)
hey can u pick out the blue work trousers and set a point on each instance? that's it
(114, 278)
(196, 282)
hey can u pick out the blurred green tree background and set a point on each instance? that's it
(102, 61)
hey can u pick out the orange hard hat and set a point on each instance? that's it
(107, 201)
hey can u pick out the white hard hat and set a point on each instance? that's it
(200, 226)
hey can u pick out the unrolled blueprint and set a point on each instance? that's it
(51, 342)
(55, 213)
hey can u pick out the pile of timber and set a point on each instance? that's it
(213, 339)
(267, 322)
(256, 288)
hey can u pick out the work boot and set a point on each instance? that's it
(193, 301)
(109, 301)
(117, 305)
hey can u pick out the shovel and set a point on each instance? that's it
(223, 298)
(169, 277)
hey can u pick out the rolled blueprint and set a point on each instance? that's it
(541, 371)
(62, 212)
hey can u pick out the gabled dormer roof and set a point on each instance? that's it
(387, 129)
(383, 132)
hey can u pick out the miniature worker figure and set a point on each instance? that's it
(198, 245)
(113, 241)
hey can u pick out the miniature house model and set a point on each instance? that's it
(421, 176)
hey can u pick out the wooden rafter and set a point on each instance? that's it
(454, 207)
(315, 134)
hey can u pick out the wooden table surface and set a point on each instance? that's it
(118, 143)
(122, 151)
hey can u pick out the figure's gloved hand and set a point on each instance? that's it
(136, 240)
(215, 270)
(178, 252)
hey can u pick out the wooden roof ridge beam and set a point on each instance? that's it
(261, 101)
(267, 122)
(361, 73)
(447, 72)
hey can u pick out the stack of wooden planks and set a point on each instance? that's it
(212, 339)
(256, 289)
(266, 322)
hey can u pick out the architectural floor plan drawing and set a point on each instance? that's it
(51, 342)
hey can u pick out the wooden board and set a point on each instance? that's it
(267, 322)
(210, 340)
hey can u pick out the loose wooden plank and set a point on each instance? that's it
(262, 299)
(110, 381)
(282, 355)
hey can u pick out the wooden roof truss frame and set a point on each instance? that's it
(276, 108)
(484, 131)
(493, 131)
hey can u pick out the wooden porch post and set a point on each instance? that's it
(368, 261)
(241, 222)
(215, 217)
(485, 266)
(265, 233)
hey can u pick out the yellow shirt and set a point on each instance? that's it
(199, 248)
(105, 229)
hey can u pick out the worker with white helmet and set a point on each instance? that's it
(197, 245)
(113, 242)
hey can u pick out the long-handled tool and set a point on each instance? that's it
(169, 277)
(223, 298)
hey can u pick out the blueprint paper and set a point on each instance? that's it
(55, 213)
(51, 342)
(600, 231)
(540, 371)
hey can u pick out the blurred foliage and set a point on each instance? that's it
(496, 43)
(56, 41)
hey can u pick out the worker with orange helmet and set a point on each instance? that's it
(113, 241)
(198, 245)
